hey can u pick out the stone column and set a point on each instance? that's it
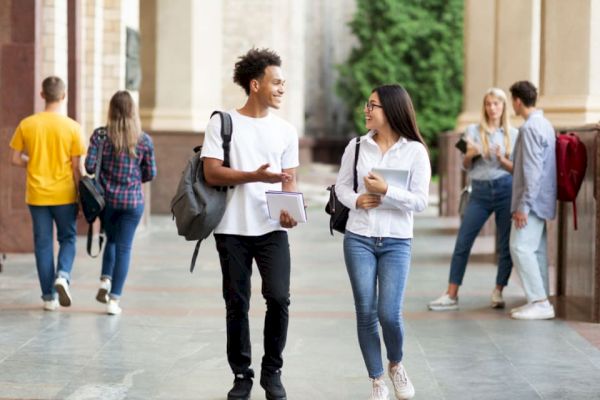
(517, 55)
(479, 57)
(184, 69)
(54, 57)
(93, 21)
(20, 54)
(570, 75)
(502, 46)
(275, 24)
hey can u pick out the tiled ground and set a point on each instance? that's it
(169, 343)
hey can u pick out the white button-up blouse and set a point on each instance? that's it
(394, 217)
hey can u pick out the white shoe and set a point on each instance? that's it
(62, 288)
(50, 305)
(403, 387)
(497, 300)
(443, 303)
(112, 307)
(514, 310)
(380, 390)
(103, 291)
(537, 310)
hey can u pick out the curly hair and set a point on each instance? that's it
(525, 91)
(252, 65)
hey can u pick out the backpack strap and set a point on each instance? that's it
(194, 256)
(101, 131)
(226, 132)
(355, 163)
(90, 236)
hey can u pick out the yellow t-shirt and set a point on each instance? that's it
(50, 140)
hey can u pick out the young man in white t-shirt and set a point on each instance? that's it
(263, 156)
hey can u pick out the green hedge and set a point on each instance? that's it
(416, 43)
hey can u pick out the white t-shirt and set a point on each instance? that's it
(254, 142)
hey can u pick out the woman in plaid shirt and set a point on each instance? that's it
(127, 162)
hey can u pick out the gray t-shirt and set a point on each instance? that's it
(489, 168)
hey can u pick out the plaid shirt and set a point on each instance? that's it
(121, 175)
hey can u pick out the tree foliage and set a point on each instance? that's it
(416, 43)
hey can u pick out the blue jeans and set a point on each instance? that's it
(120, 226)
(487, 197)
(43, 218)
(372, 263)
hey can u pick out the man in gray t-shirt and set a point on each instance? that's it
(533, 201)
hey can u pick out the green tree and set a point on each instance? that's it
(416, 43)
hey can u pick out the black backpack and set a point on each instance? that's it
(91, 197)
(198, 208)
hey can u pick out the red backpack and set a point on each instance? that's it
(571, 163)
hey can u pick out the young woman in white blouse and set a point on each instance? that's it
(378, 239)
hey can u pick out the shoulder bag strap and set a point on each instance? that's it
(102, 135)
(355, 163)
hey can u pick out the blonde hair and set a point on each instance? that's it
(504, 122)
(124, 126)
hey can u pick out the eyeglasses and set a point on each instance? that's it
(370, 106)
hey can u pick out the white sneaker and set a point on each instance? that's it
(103, 291)
(514, 310)
(537, 310)
(50, 305)
(62, 288)
(497, 300)
(443, 303)
(380, 390)
(403, 387)
(112, 307)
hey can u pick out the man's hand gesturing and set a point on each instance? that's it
(264, 175)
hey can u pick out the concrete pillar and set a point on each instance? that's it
(518, 31)
(329, 41)
(502, 46)
(54, 46)
(186, 72)
(570, 77)
(93, 15)
(480, 57)
(281, 28)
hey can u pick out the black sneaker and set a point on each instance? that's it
(242, 385)
(271, 382)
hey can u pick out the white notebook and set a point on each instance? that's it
(292, 202)
(393, 176)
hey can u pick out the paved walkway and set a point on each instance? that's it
(169, 342)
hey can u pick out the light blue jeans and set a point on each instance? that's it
(120, 226)
(378, 270)
(528, 247)
(44, 218)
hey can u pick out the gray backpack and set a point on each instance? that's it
(197, 207)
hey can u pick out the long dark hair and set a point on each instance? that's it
(399, 111)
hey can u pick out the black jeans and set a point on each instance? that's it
(272, 254)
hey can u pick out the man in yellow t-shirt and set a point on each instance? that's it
(49, 145)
